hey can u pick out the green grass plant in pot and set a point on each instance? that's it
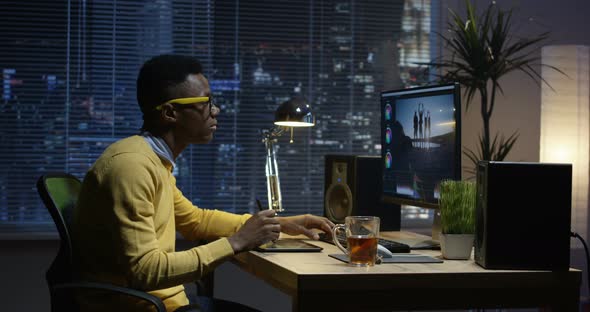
(457, 216)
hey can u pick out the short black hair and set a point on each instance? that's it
(158, 81)
(159, 77)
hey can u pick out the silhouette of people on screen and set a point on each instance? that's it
(415, 125)
(421, 124)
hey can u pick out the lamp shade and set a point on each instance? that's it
(294, 113)
(565, 121)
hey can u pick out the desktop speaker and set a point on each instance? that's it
(523, 213)
(353, 186)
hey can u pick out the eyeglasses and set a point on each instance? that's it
(191, 100)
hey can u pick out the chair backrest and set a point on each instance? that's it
(59, 192)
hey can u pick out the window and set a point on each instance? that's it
(68, 88)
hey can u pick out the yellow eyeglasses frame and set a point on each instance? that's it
(188, 100)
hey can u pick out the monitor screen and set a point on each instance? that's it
(420, 143)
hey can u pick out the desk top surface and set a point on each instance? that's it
(313, 276)
(319, 263)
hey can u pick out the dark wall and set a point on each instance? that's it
(519, 107)
(23, 264)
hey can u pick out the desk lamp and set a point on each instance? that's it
(295, 112)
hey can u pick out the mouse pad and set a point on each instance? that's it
(405, 258)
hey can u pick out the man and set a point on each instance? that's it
(129, 209)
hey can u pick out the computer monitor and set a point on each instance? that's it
(420, 143)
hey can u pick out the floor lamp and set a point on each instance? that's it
(565, 121)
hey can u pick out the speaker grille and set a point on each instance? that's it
(338, 202)
(353, 187)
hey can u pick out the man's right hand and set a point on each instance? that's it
(261, 228)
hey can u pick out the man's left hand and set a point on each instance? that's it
(303, 224)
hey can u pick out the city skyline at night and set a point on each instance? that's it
(339, 56)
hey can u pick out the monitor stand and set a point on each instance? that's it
(433, 243)
(436, 226)
(423, 228)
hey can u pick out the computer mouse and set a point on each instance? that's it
(383, 252)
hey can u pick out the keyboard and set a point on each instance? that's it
(393, 246)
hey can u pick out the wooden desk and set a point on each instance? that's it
(317, 282)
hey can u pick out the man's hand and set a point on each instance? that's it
(261, 228)
(302, 224)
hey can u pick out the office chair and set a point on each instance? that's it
(59, 192)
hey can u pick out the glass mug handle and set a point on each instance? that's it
(335, 237)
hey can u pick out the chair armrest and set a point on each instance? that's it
(155, 301)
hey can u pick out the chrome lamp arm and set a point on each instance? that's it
(295, 112)
(273, 185)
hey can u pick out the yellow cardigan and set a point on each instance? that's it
(124, 227)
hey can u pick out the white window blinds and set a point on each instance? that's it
(68, 88)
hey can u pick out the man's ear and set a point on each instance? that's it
(168, 113)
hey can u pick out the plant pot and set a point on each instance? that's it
(456, 246)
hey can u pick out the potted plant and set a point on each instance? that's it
(481, 50)
(457, 216)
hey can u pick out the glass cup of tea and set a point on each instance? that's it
(362, 234)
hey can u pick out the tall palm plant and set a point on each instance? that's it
(482, 50)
